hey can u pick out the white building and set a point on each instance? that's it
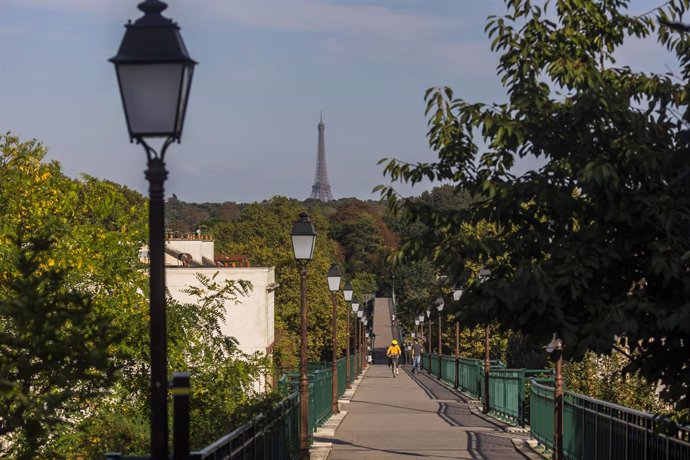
(250, 319)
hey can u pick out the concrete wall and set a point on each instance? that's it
(251, 320)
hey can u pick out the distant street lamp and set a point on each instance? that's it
(347, 294)
(439, 307)
(484, 274)
(334, 287)
(428, 315)
(363, 320)
(457, 294)
(154, 73)
(355, 310)
(303, 241)
(555, 347)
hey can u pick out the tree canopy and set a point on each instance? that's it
(594, 244)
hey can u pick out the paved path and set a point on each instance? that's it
(412, 416)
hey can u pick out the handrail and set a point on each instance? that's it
(233, 444)
(598, 430)
(275, 433)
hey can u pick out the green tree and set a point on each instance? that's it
(78, 243)
(595, 243)
(262, 232)
(54, 347)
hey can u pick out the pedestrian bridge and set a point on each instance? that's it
(437, 414)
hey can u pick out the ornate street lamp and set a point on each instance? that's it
(457, 294)
(555, 348)
(428, 315)
(347, 294)
(334, 287)
(303, 240)
(439, 307)
(363, 346)
(154, 74)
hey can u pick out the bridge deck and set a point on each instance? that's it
(412, 416)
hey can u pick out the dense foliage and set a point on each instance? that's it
(74, 354)
(594, 244)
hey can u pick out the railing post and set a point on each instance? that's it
(558, 407)
(181, 389)
(521, 398)
(487, 368)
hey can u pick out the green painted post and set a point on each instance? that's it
(521, 396)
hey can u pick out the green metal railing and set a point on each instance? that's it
(598, 430)
(434, 363)
(470, 372)
(541, 416)
(271, 436)
(448, 370)
(275, 434)
(508, 395)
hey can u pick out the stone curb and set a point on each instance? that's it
(526, 448)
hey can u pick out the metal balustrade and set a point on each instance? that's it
(508, 395)
(599, 430)
(275, 434)
(448, 370)
(342, 375)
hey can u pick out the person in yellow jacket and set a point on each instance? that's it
(393, 354)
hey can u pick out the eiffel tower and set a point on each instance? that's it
(321, 190)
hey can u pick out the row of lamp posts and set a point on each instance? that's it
(303, 237)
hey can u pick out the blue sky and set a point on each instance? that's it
(267, 68)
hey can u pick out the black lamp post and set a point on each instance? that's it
(303, 240)
(347, 294)
(334, 287)
(154, 73)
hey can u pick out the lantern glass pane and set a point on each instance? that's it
(303, 246)
(151, 94)
(347, 293)
(333, 283)
(186, 85)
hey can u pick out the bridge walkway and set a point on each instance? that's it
(412, 416)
